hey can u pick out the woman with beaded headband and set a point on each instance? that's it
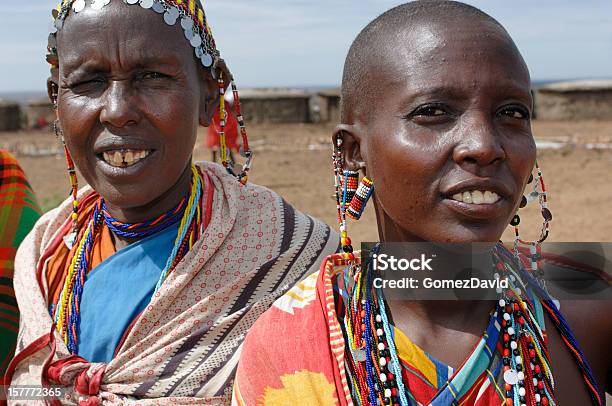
(141, 286)
(436, 109)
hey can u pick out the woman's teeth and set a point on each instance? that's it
(477, 197)
(125, 157)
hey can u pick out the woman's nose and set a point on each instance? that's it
(119, 109)
(480, 143)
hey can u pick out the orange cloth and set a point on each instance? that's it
(103, 247)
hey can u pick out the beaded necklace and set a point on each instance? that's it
(373, 366)
(188, 212)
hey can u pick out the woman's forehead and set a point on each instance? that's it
(444, 57)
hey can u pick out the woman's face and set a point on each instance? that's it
(131, 97)
(449, 146)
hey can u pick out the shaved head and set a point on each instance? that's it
(380, 50)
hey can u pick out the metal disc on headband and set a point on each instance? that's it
(189, 34)
(78, 6)
(169, 18)
(158, 7)
(98, 4)
(174, 12)
(132, 1)
(52, 27)
(199, 52)
(187, 23)
(207, 60)
(146, 3)
(196, 41)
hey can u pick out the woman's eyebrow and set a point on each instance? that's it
(82, 64)
(446, 91)
(157, 61)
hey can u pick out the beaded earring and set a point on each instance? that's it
(70, 238)
(350, 198)
(539, 193)
(245, 151)
(360, 199)
(349, 184)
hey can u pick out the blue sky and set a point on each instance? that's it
(303, 43)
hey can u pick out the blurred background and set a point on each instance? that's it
(287, 57)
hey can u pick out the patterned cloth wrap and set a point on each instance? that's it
(184, 347)
(18, 213)
(306, 364)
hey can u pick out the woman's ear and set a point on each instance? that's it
(352, 142)
(209, 97)
(210, 90)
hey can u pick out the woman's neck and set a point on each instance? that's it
(156, 207)
(166, 202)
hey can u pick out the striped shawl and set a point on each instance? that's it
(184, 348)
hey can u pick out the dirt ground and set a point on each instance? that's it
(294, 160)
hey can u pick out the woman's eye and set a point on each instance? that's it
(515, 112)
(430, 114)
(85, 84)
(153, 75)
(429, 111)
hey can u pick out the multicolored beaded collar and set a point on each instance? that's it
(514, 345)
(188, 213)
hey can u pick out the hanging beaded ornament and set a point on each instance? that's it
(245, 151)
(533, 247)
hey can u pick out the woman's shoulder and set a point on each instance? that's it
(294, 317)
(51, 222)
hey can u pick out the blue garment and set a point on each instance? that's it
(118, 290)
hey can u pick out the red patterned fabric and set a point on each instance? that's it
(18, 213)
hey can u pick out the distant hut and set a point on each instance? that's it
(329, 102)
(576, 100)
(10, 116)
(275, 106)
(39, 114)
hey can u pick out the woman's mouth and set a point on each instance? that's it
(123, 158)
(479, 202)
(477, 197)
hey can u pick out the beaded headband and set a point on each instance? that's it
(189, 13)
